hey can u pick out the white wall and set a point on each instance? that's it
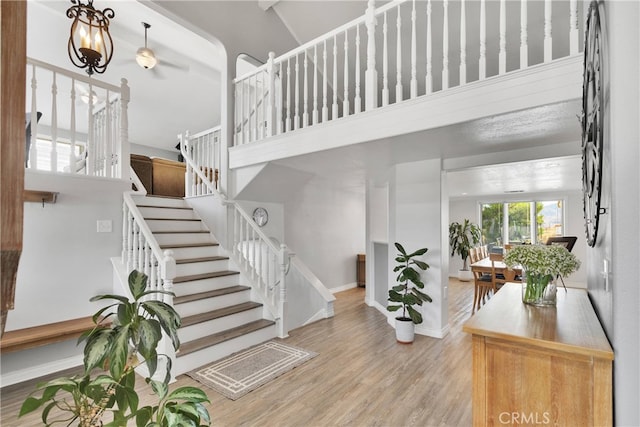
(462, 208)
(325, 227)
(618, 300)
(416, 221)
(64, 262)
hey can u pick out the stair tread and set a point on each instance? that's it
(210, 340)
(210, 294)
(187, 208)
(188, 245)
(221, 312)
(182, 279)
(201, 259)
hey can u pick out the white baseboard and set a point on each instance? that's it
(344, 287)
(420, 330)
(40, 370)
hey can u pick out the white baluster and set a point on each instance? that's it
(548, 40)
(279, 112)
(124, 233)
(334, 106)
(345, 99)
(314, 115)
(398, 57)
(237, 119)
(296, 117)
(287, 123)
(482, 62)
(271, 96)
(123, 142)
(72, 128)
(414, 47)
(168, 272)
(573, 27)
(524, 48)
(54, 124)
(246, 110)
(254, 110)
(357, 101)
(261, 102)
(385, 63)
(463, 43)
(429, 75)
(371, 74)
(91, 136)
(282, 298)
(325, 79)
(33, 150)
(147, 258)
(305, 108)
(445, 45)
(502, 55)
(108, 146)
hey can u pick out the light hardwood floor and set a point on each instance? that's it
(361, 376)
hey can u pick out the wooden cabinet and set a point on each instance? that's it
(540, 366)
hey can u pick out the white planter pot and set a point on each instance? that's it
(465, 275)
(405, 331)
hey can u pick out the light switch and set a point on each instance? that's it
(105, 226)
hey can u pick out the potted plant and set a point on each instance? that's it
(407, 294)
(541, 266)
(122, 340)
(462, 237)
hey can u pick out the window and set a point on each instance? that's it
(526, 222)
(63, 151)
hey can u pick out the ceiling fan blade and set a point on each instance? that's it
(177, 66)
(156, 72)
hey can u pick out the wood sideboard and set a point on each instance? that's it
(540, 365)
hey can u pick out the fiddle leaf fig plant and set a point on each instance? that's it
(407, 293)
(126, 335)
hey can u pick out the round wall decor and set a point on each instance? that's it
(260, 216)
(592, 124)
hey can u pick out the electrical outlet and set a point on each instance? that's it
(105, 226)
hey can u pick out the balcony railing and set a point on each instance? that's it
(400, 51)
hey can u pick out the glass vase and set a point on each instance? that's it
(539, 289)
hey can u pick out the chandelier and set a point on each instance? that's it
(90, 45)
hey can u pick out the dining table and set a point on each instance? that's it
(484, 266)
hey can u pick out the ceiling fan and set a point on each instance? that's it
(147, 59)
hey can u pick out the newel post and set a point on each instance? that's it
(168, 273)
(124, 160)
(284, 259)
(371, 75)
(271, 98)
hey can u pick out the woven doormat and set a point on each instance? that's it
(242, 372)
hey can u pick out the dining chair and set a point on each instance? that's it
(473, 255)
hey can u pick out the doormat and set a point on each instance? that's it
(242, 372)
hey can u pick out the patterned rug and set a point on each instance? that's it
(242, 372)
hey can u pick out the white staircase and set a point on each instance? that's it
(218, 314)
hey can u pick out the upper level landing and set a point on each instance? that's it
(520, 111)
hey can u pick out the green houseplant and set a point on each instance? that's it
(462, 237)
(407, 293)
(126, 335)
(541, 265)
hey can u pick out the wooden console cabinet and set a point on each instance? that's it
(540, 366)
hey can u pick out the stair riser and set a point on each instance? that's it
(160, 225)
(202, 357)
(201, 267)
(208, 304)
(184, 238)
(197, 286)
(196, 252)
(159, 201)
(173, 213)
(211, 327)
